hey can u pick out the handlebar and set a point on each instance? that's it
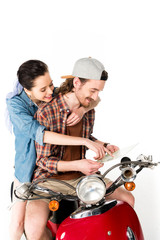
(128, 172)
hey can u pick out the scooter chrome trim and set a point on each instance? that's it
(130, 234)
(83, 212)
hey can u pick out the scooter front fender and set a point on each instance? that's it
(110, 225)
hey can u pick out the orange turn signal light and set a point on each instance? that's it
(53, 205)
(130, 186)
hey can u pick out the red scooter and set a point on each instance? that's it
(95, 218)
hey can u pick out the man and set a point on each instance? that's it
(69, 163)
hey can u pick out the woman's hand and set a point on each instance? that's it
(75, 116)
(96, 147)
(109, 149)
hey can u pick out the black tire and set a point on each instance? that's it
(11, 191)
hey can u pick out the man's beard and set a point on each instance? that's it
(86, 104)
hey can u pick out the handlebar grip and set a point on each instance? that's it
(125, 159)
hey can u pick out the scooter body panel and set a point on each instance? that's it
(111, 225)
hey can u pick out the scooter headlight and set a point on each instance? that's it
(91, 189)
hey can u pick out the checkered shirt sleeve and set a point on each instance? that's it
(48, 155)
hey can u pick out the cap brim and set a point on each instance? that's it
(67, 76)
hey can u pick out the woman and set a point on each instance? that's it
(37, 87)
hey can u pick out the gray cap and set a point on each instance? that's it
(88, 68)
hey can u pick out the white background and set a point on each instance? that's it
(124, 36)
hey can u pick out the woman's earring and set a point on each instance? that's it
(30, 102)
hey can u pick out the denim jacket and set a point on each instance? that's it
(27, 130)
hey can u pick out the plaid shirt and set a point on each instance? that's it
(53, 116)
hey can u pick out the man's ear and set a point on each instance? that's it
(76, 82)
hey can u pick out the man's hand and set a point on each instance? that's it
(87, 166)
(111, 149)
